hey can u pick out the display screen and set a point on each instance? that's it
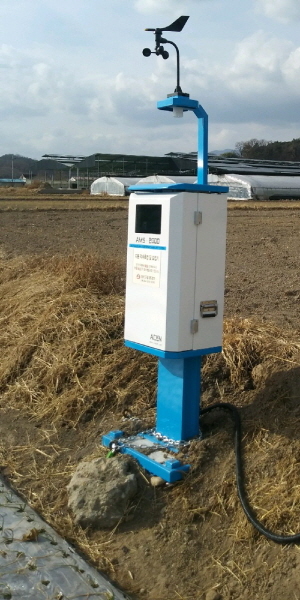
(148, 218)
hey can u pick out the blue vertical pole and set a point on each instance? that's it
(178, 397)
(202, 145)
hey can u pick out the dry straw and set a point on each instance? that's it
(61, 332)
(65, 378)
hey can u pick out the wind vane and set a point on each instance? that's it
(177, 26)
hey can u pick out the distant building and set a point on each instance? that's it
(128, 165)
(12, 182)
(114, 173)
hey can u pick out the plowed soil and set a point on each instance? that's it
(263, 251)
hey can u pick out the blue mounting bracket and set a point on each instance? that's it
(202, 162)
(158, 462)
(193, 105)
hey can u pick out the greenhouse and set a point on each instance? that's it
(241, 187)
(108, 185)
(259, 187)
(119, 187)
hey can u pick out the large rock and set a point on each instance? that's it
(100, 491)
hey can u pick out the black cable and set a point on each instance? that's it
(234, 413)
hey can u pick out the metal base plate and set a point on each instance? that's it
(158, 461)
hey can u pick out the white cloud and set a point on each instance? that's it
(258, 89)
(258, 63)
(67, 98)
(282, 10)
(174, 7)
(291, 70)
(60, 112)
(265, 75)
(47, 107)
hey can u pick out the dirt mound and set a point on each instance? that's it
(40, 185)
(65, 379)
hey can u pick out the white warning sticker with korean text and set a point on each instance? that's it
(146, 267)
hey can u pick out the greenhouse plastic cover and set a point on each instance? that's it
(258, 187)
(108, 185)
(241, 187)
(37, 564)
(156, 179)
(118, 186)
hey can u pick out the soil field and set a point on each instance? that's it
(190, 541)
(263, 250)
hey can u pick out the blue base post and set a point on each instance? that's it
(178, 408)
(178, 398)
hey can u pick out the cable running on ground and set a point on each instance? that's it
(240, 478)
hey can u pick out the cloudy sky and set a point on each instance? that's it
(74, 80)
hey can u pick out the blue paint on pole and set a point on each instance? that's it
(178, 398)
(198, 110)
(172, 355)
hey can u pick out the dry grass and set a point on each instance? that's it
(63, 367)
(39, 197)
(61, 203)
(61, 337)
(65, 378)
(248, 344)
(263, 205)
(259, 370)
